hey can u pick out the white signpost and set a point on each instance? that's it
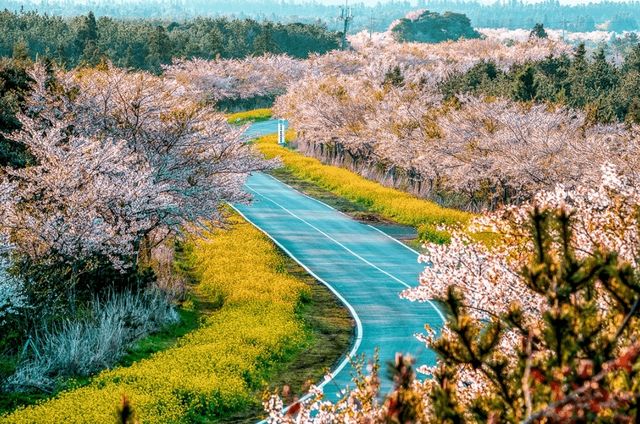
(282, 127)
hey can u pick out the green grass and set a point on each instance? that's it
(189, 321)
(256, 115)
(355, 210)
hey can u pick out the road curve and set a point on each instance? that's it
(363, 266)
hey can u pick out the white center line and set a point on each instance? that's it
(343, 246)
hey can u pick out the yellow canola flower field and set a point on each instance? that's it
(255, 115)
(390, 203)
(215, 369)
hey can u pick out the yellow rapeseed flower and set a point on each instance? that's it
(215, 369)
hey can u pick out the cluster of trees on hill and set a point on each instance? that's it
(149, 44)
(432, 27)
(610, 15)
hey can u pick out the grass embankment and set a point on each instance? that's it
(256, 115)
(255, 333)
(392, 204)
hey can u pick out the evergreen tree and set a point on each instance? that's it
(525, 87)
(215, 45)
(601, 76)
(632, 60)
(578, 95)
(159, 49)
(20, 51)
(88, 31)
(629, 90)
(14, 85)
(394, 77)
(538, 31)
(264, 42)
(87, 41)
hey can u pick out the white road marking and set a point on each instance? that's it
(394, 239)
(344, 247)
(307, 196)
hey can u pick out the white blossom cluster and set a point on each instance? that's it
(216, 80)
(358, 406)
(486, 276)
(605, 218)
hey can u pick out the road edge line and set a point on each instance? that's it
(264, 196)
(306, 195)
(359, 331)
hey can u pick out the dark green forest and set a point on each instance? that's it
(148, 44)
(14, 85)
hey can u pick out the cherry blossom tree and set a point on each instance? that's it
(402, 134)
(222, 79)
(120, 160)
(189, 146)
(466, 152)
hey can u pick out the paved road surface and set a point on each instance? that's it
(366, 268)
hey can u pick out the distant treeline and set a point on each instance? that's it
(610, 15)
(615, 16)
(148, 44)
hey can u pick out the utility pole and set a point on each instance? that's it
(564, 27)
(346, 16)
(371, 21)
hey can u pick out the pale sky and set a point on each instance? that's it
(373, 2)
(368, 2)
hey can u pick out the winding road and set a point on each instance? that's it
(363, 266)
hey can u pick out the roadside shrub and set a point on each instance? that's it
(80, 347)
(215, 369)
(169, 278)
(13, 302)
(56, 292)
